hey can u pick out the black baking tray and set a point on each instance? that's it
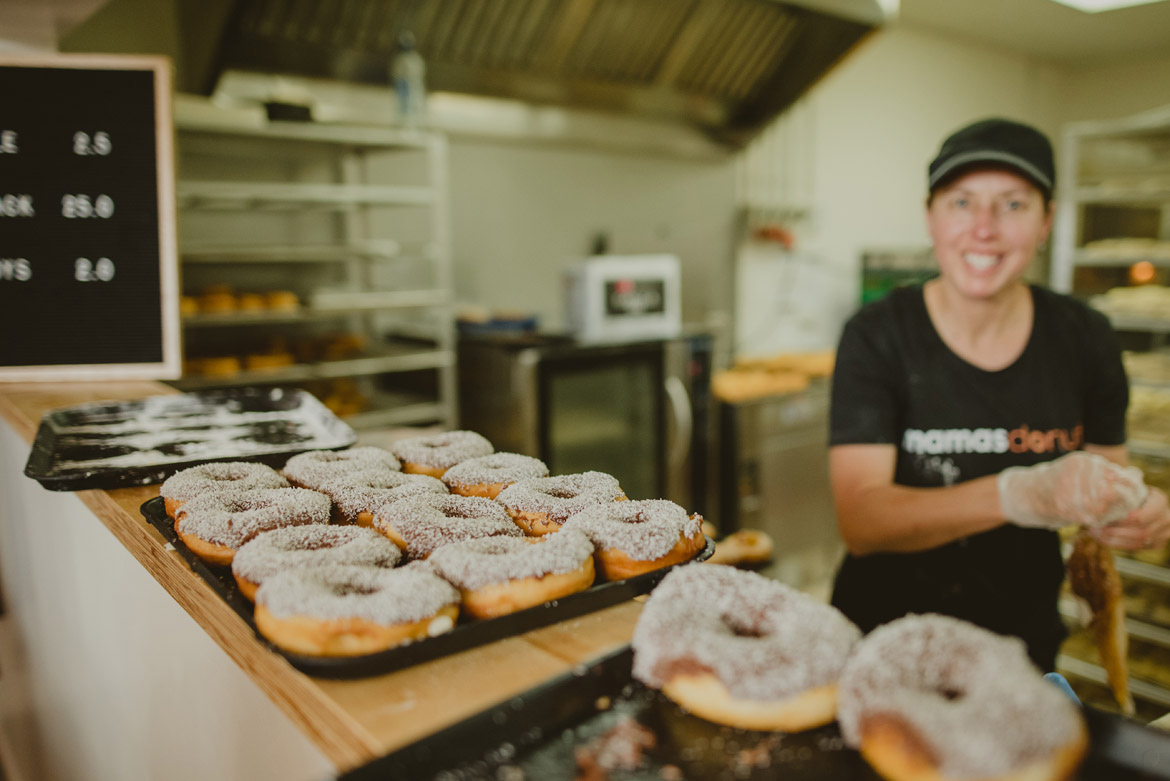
(535, 735)
(120, 443)
(462, 637)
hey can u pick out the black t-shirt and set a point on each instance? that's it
(896, 382)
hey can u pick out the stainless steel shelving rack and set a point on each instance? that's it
(326, 201)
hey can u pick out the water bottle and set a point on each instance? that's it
(408, 73)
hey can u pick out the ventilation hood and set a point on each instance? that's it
(725, 67)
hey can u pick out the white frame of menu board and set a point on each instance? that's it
(170, 367)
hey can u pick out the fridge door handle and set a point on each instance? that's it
(680, 407)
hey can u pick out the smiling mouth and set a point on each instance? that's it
(980, 262)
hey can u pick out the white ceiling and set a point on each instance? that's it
(1048, 30)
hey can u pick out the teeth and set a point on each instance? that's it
(979, 262)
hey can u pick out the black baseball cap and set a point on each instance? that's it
(1000, 142)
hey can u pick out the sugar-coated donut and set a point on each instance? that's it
(633, 537)
(310, 470)
(215, 525)
(349, 611)
(309, 546)
(740, 649)
(933, 698)
(434, 454)
(357, 496)
(420, 525)
(500, 575)
(540, 505)
(486, 476)
(186, 484)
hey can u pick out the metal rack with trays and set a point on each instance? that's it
(1113, 213)
(352, 222)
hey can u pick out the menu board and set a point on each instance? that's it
(88, 260)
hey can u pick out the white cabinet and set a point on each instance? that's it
(1111, 246)
(317, 255)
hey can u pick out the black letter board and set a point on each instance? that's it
(88, 266)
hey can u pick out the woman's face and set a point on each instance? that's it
(987, 226)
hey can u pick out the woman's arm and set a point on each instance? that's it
(875, 515)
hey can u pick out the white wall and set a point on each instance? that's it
(520, 212)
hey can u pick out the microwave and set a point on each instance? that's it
(613, 298)
(639, 411)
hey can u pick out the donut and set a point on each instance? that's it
(633, 537)
(420, 525)
(189, 483)
(308, 546)
(540, 505)
(740, 649)
(340, 610)
(310, 470)
(486, 476)
(214, 525)
(934, 697)
(356, 496)
(500, 575)
(434, 454)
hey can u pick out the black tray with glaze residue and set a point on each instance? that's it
(537, 736)
(466, 634)
(120, 443)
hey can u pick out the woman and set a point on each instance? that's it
(974, 415)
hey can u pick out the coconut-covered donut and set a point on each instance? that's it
(633, 537)
(434, 454)
(420, 525)
(309, 546)
(737, 648)
(500, 575)
(486, 476)
(215, 525)
(356, 496)
(933, 697)
(348, 611)
(185, 485)
(540, 505)
(312, 469)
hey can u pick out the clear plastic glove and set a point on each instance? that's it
(1080, 488)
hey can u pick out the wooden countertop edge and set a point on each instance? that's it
(339, 736)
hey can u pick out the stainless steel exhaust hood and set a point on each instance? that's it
(726, 67)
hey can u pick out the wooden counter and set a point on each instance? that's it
(351, 722)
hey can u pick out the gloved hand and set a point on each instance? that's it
(1081, 488)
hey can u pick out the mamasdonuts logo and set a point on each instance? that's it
(940, 441)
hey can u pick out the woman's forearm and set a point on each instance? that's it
(896, 518)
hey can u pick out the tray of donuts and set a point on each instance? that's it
(360, 561)
(731, 675)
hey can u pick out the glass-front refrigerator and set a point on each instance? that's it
(637, 411)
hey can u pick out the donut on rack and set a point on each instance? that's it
(420, 525)
(434, 454)
(486, 476)
(341, 610)
(633, 537)
(189, 483)
(500, 575)
(215, 525)
(740, 649)
(309, 546)
(357, 496)
(540, 505)
(310, 470)
(933, 697)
